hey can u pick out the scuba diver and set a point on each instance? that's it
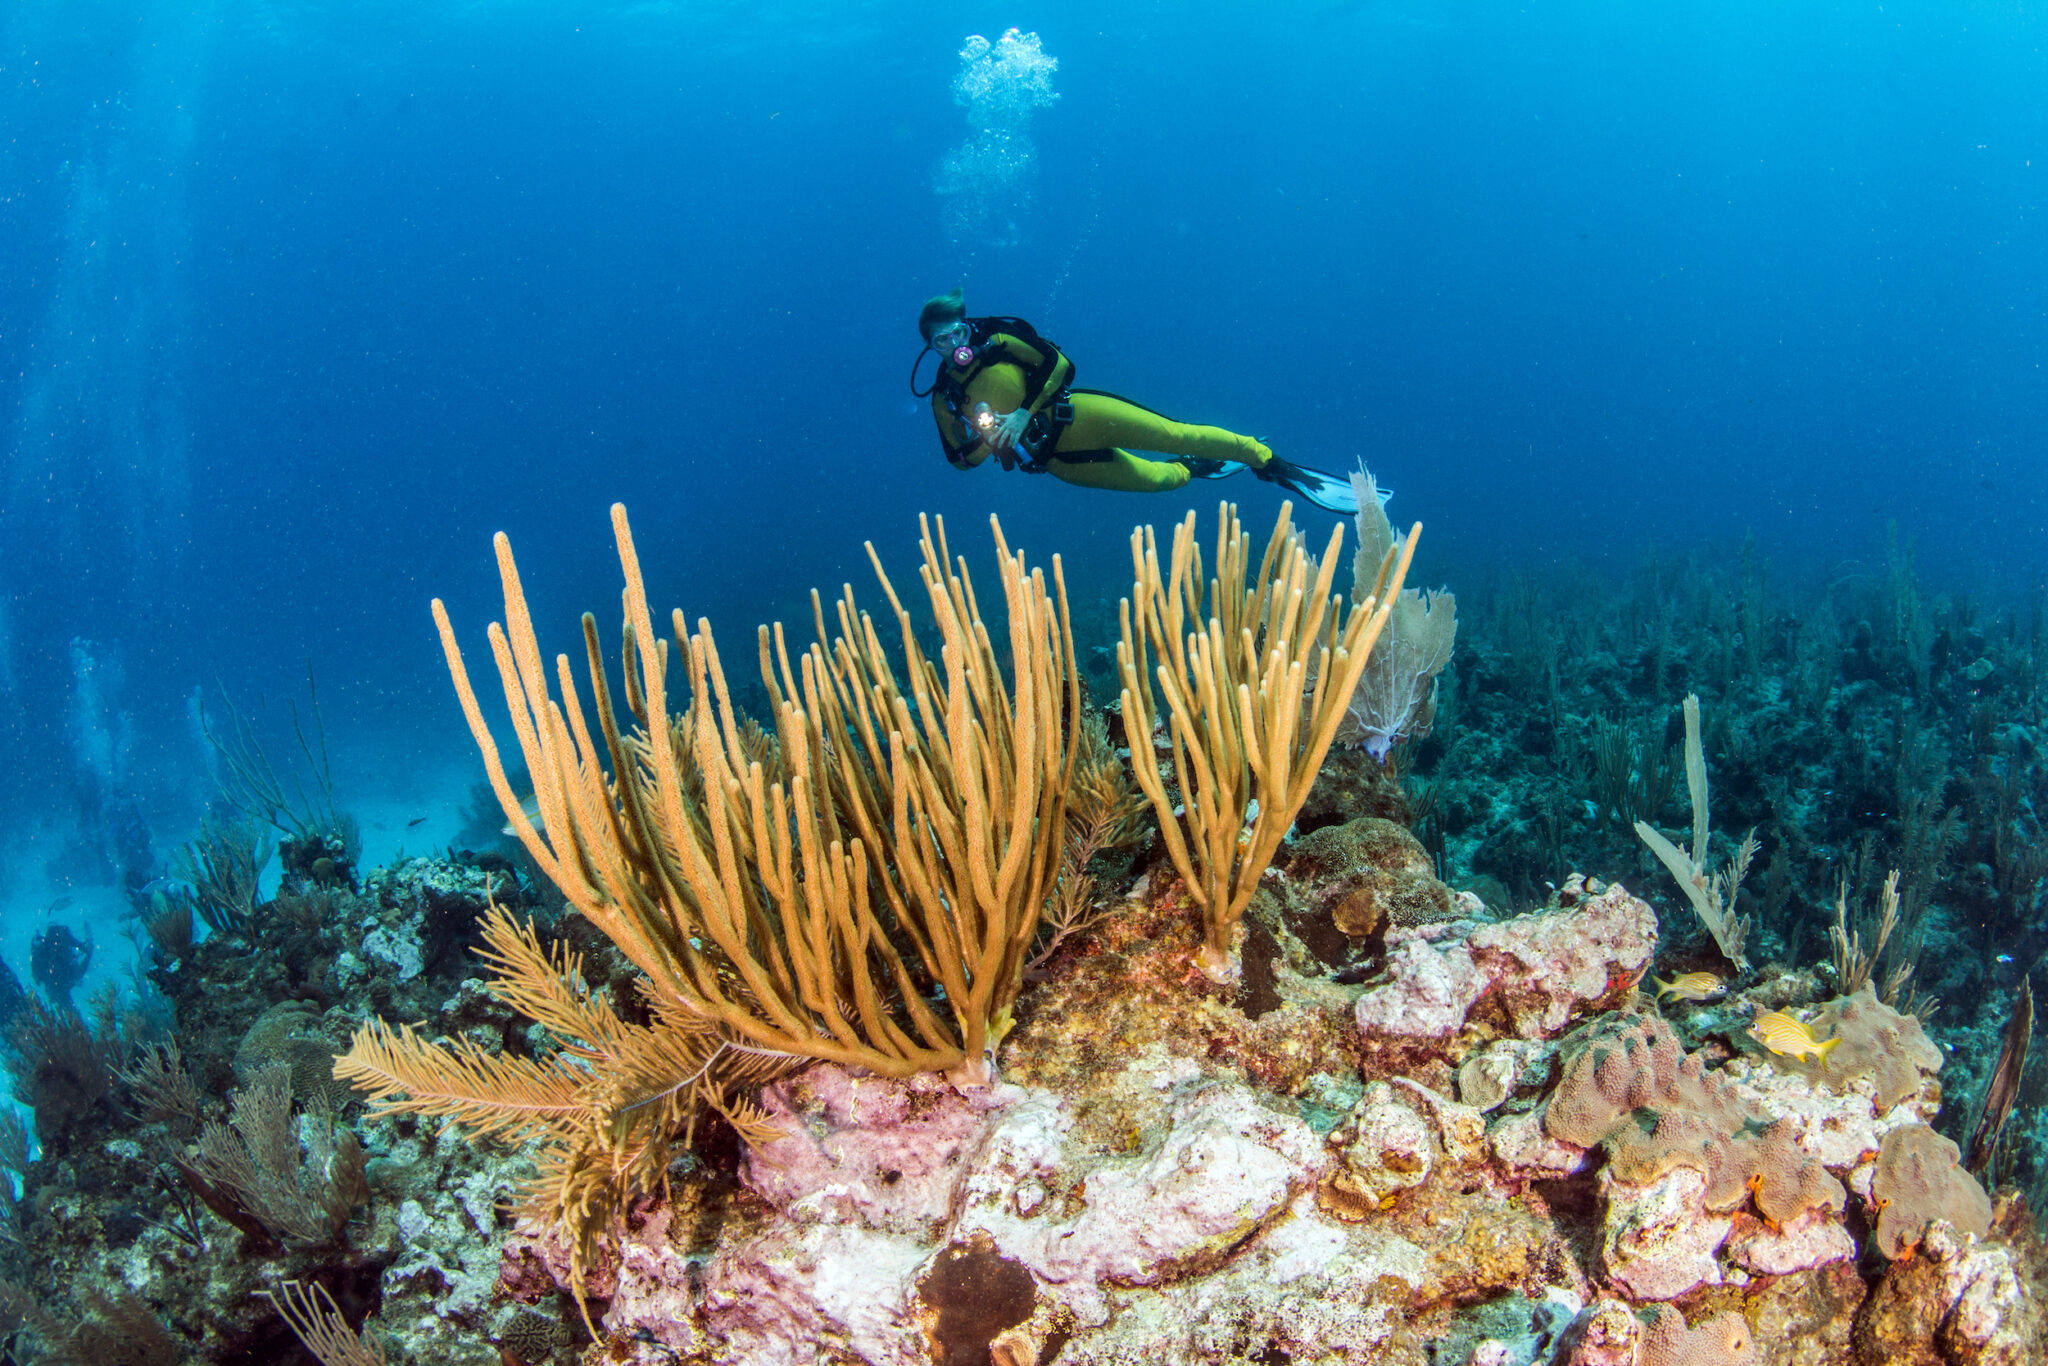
(1003, 390)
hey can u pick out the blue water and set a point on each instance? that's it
(300, 302)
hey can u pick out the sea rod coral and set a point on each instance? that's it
(1255, 686)
(898, 833)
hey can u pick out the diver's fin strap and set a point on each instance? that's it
(1326, 491)
(1203, 467)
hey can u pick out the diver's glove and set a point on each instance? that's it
(1008, 429)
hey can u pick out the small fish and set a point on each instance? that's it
(1692, 986)
(1782, 1034)
(530, 808)
(2005, 958)
(416, 820)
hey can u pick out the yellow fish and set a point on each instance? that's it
(1692, 986)
(1781, 1033)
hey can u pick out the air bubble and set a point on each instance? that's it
(984, 184)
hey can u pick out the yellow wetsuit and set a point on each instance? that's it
(1092, 449)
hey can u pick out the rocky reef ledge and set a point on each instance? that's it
(1411, 1134)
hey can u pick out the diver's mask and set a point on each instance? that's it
(955, 344)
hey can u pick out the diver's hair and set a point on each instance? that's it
(939, 310)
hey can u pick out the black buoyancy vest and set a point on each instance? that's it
(954, 387)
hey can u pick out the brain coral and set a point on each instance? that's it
(1629, 1087)
(1723, 1340)
(290, 1032)
(1917, 1181)
(1877, 1042)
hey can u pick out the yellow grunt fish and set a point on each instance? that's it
(1781, 1033)
(1692, 986)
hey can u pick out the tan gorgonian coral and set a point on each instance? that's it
(859, 883)
(866, 892)
(1257, 667)
(312, 1314)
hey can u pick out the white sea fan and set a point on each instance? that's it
(1396, 696)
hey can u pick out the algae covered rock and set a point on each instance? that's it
(1529, 977)
(1224, 1167)
(1605, 1333)
(1958, 1303)
(852, 1148)
(1383, 1149)
(1503, 1069)
(1661, 1240)
(885, 1197)
(1366, 876)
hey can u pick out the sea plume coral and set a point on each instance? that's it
(859, 885)
(604, 1112)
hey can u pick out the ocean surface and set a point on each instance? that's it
(301, 302)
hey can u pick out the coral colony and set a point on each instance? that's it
(1006, 984)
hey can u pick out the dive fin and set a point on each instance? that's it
(1326, 491)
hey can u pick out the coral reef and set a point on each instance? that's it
(1169, 1202)
(1430, 1117)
